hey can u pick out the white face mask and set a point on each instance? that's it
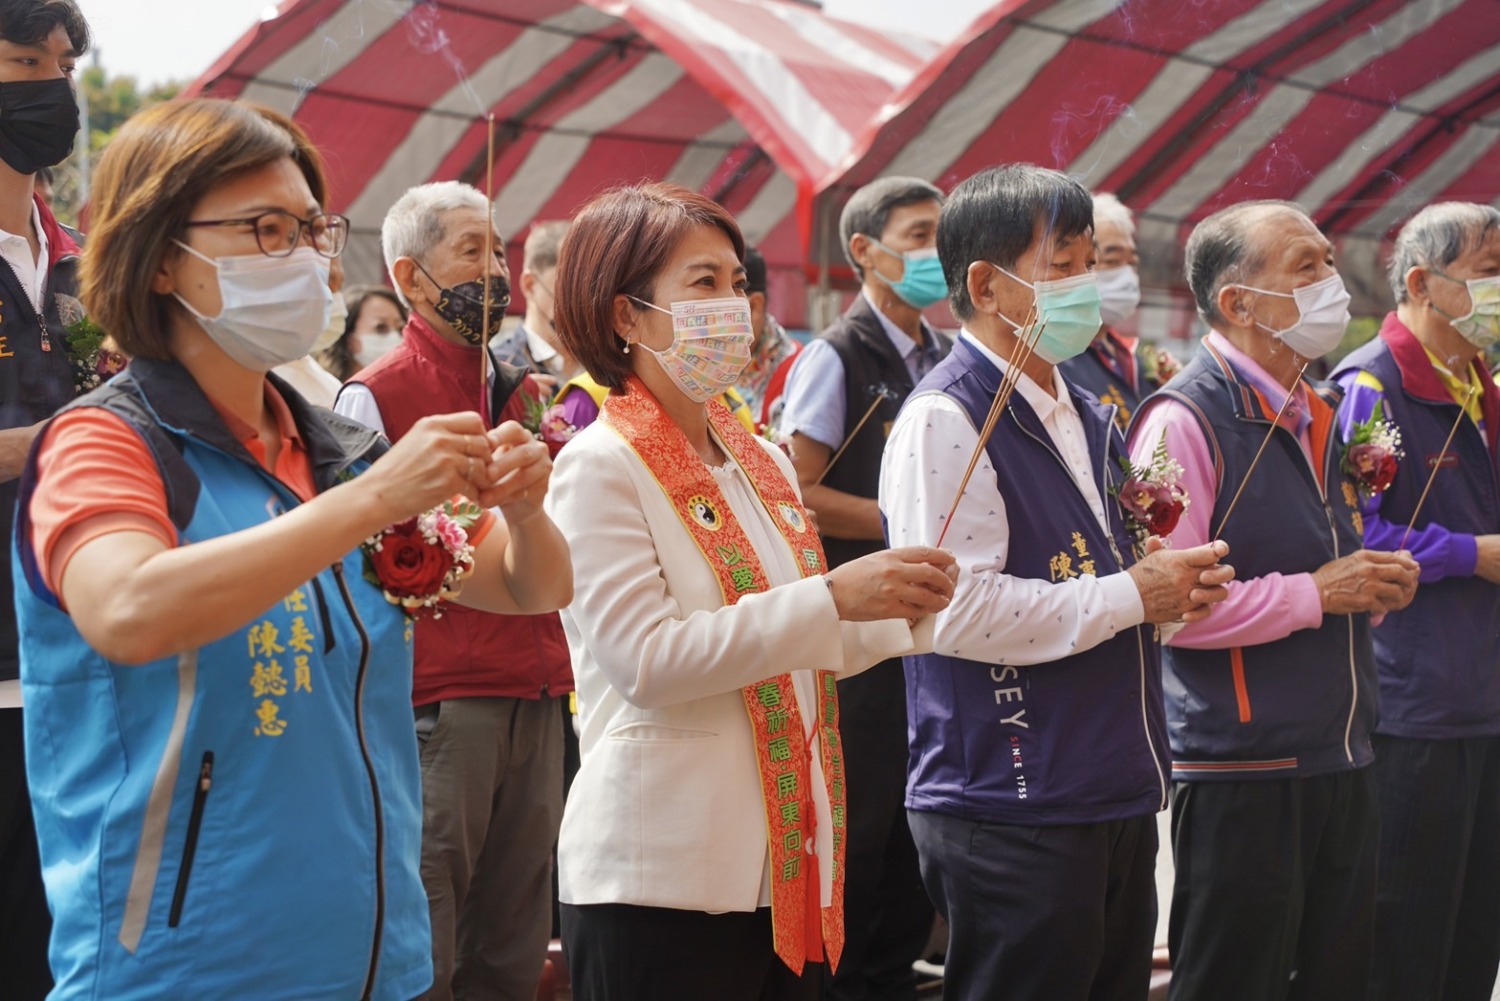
(272, 309)
(337, 319)
(711, 340)
(373, 347)
(1323, 309)
(1119, 293)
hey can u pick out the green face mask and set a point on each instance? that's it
(1067, 310)
(922, 282)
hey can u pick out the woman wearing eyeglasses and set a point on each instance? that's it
(218, 727)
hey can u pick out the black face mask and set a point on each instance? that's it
(38, 123)
(462, 306)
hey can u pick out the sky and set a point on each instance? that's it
(131, 37)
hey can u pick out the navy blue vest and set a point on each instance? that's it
(1092, 371)
(1080, 740)
(1439, 657)
(1305, 704)
(871, 364)
(33, 384)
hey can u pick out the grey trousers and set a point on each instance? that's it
(491, 806)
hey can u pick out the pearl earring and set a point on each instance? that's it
(627, 347)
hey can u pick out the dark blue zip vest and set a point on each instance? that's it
(245, 819)
(1080, 740)
(1092, 372)
(1305, 704)
(33, 384)
(1439, 657)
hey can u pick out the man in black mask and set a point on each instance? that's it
(40, 42)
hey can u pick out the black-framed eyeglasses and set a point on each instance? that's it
(278, 233)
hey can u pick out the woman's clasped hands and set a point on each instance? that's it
(449, 454)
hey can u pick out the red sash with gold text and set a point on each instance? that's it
(781, 747)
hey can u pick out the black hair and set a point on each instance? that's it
(755, 271)
(995, 215)
(29, 22)
(869, 209)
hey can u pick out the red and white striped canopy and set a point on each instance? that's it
(757, 103)
(1363, 111)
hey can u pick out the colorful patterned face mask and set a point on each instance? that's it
(711, 340)
(1480, 326)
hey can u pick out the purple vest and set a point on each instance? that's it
(1080, 740)
(1438, 657)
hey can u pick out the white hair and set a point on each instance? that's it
(1110, 209)
(414, 225)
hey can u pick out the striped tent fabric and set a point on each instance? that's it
(1362, 111)
(756, 103)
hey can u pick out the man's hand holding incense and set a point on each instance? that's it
(1181, 585)
(1367, 581)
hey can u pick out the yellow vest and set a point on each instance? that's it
(731, 399)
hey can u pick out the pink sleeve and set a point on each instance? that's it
(1257, 611)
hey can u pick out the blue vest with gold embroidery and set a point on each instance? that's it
(241, 820)
(1080, 740)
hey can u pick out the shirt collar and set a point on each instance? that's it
(1297, 415)
(541, 352)
(1036, 397)
(905, 346)
(37, 227)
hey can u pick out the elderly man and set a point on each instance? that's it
(486, 687)
(871, 357)
(1038, 745)
(1437, 746)
(1270, 702)
(1119, 370)
(534, 345)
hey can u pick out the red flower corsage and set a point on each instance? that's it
(422, 561)
(1151, 496)
(1372, 453)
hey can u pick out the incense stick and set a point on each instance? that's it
(1025, 345)
(880, 395)
(1260, 451)
(489, 258)
(1438, 462)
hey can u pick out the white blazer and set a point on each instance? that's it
(667, 809)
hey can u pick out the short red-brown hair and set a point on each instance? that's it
(618, 245)
(152, 175)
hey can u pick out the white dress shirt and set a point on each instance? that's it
(16, 251)
(31, 270)
(995, 617)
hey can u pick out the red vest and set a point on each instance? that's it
(466, 654)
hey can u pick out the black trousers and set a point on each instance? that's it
(25, 922)
(1275, 890)
(619, 952)
(1063, 913)
(1437, 906)
(887, 914)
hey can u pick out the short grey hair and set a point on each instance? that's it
(542, 245)
(1222, 251)
(869, 209)
(1436, 237)
(1108, 208)
(414, 225)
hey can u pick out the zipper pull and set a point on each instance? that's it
(206, 772)
(46, 335)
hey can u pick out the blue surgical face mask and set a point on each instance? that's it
(921, 282)
(1067, 310)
